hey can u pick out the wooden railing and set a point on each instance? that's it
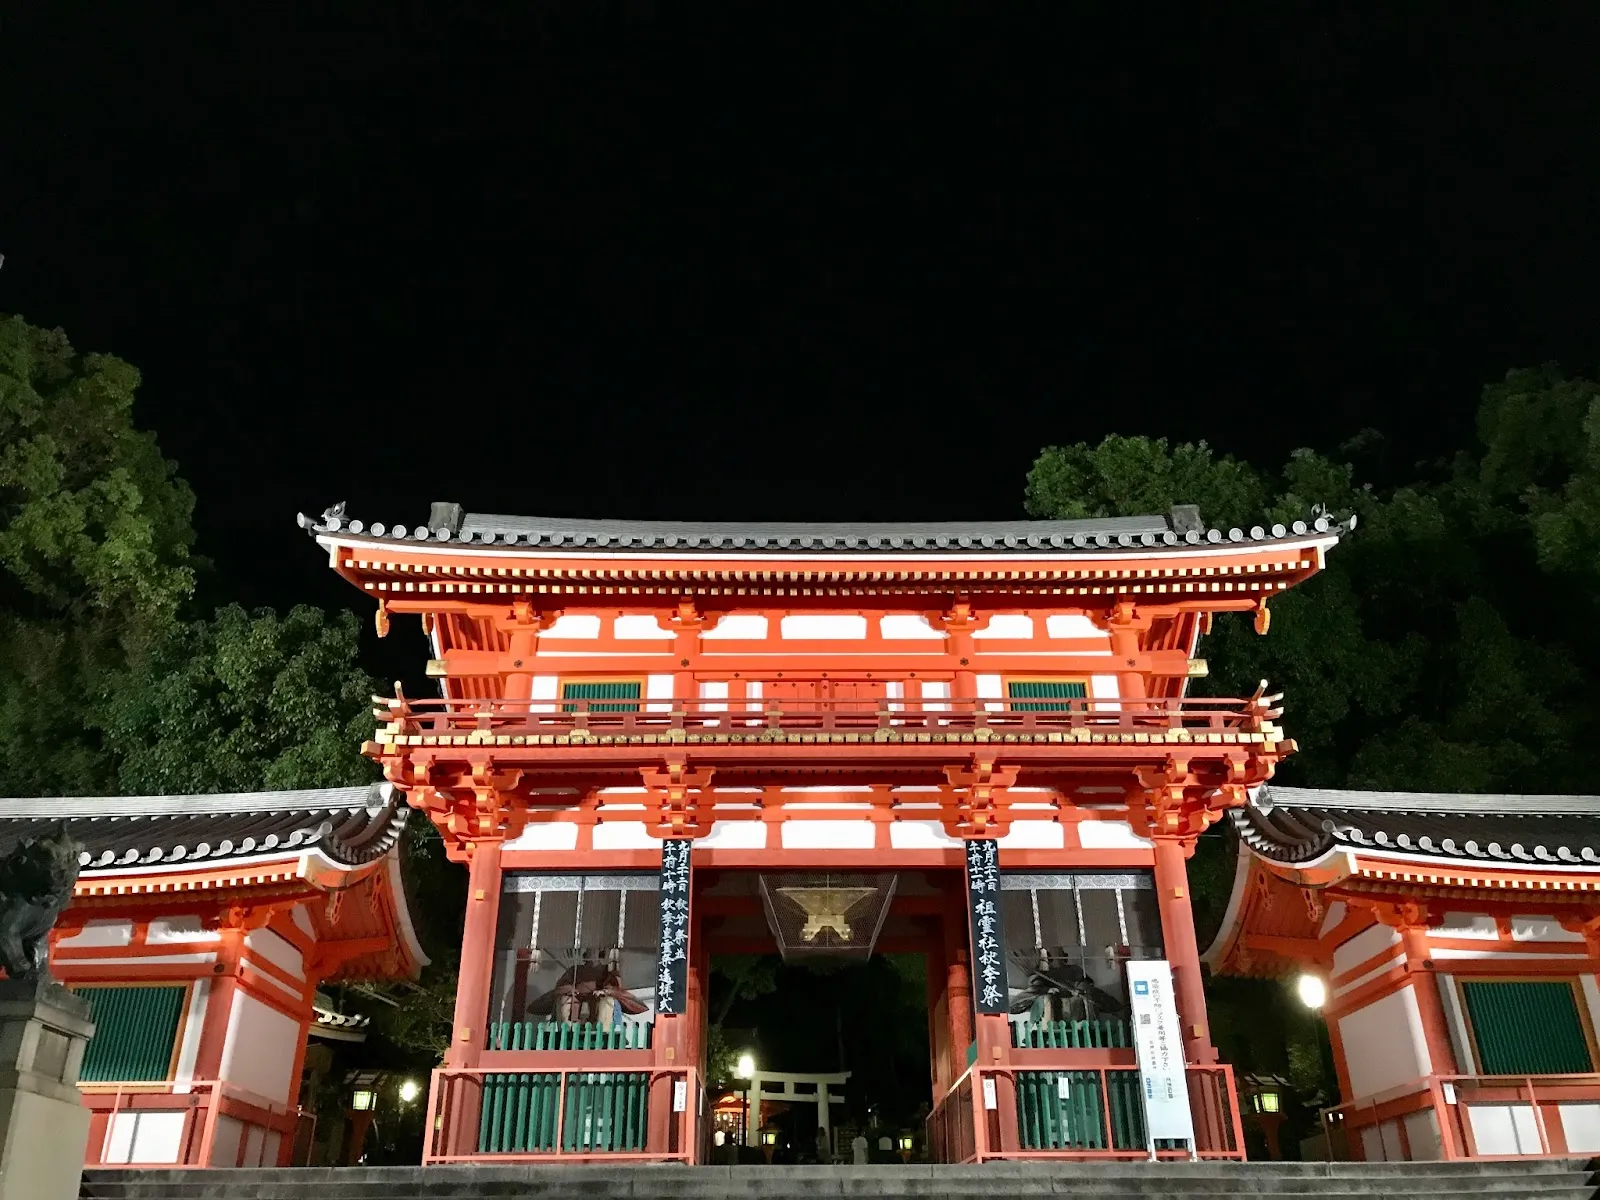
(167, 1124)
(1523, 1117)
(482, 1115)
(403, 717)
(1091, 1113)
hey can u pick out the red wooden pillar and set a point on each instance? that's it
(1430, 1007)
(468, 1034)
(1183, 952)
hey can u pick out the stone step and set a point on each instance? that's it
(1544, 1179)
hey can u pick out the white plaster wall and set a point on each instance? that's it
(1033, 835)
(1456, 1022)
(259, 1051)
(1362, 947)
(152, 1137)
(736, 835)
(622, 835)
(101, 933)
(1110, 835)
(179, 929)
(711, 691)
(827, 835)
(544, 687)
(634, 625)
(546, 835)
(823, 625)
(1072, 625)
(742, 626)
(193, 1025)
(1591, 995)
(1541, 929)
(574, 625)
(303, 919)
(1104, 687)
(1422, 1135)
(1467, 925)
(1384, 1045)
(1503, 1128)
(1581, 1124)
(1331, 918)
(276, 951)
(225, 1142)
(935, 695)
(658, 690)
(920, 835)
(908, 627)
(1006, 625)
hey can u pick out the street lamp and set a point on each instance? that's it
(769, 1143)
(410, 1089)
(905, 1147)
(1267, 1102)
(745, 1069)
(363, 1100)
(1312, 991)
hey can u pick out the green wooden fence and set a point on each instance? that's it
(1108, 1033)
(606, 1111)
(568, 1035)
(1066, 1110)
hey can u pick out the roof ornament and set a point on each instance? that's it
(334, 514)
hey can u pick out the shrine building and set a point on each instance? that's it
(659, 742)
(199, 929)
(1456, 940)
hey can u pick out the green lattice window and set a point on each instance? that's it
(626, 691)
(1527, 1028)
(135, 1031)
(1045, 695)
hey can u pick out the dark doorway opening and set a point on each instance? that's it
(818, 1016)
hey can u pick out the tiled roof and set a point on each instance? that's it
(1182, 528)
(349, 825)
(1296, 825)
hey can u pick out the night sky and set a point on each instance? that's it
(781, 261)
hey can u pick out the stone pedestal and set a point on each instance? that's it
(44, 1126)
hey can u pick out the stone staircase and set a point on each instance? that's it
(1545, 1179)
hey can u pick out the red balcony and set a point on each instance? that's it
(200, 1123)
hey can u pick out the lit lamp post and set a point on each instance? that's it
(363, 1107)
(745, 1069)
(769, 1143)
(905, 1144)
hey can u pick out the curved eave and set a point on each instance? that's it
(1233, 916)
(313, 870)
(402, 915)
(432, 562)
(1435, 872)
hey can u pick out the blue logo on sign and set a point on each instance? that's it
(1141, 987)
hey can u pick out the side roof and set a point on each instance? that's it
(1300, 825)
(1182, 527)
(350, 826)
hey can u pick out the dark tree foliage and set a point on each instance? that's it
(1446, 647)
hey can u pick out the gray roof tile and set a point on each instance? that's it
(349, 825)
(1122, 534)
(1298, 825)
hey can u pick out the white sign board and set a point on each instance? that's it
(680, 1095)
(1159, 1043)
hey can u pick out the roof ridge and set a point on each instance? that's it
(45, 808)
(1478, 803)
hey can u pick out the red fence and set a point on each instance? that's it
(1474, 1117)
(1081, 1113)
(200, 1123)
(484, 1115)
(565, 718)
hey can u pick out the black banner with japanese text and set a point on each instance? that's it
(672, 969)
(989, 993)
